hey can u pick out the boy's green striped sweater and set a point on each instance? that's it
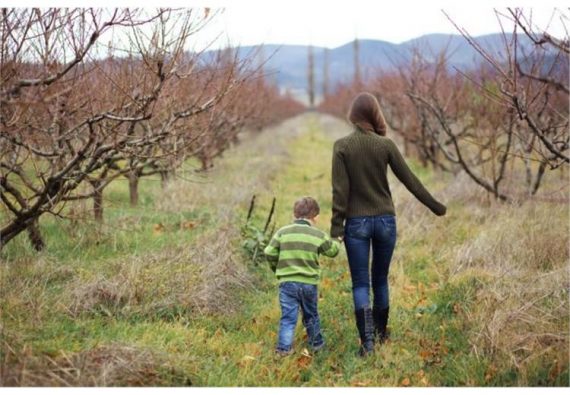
(294, 250)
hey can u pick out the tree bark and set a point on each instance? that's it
(35, 235)
(97, 201)
(134, 189)
(163, 178)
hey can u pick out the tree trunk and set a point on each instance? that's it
(538, 178)
(97, 201)
(17, 226)
(311, 77)
(35, 235)
(134, 189)
(163, 178)
(528, 173)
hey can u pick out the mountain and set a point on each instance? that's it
(287, 64)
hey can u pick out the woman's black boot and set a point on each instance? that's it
(365, 325)
(381, 323)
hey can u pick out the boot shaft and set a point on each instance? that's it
(365, 325)
(381, 322)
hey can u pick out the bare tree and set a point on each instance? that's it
(534, 83)
(311, 76)
(466, 129)
(326, 76)
(357, 78)
(58, 132)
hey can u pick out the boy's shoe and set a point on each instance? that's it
(283, 353)
(316, 349)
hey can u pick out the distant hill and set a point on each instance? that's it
(287, 64)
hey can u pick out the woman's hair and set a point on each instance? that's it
(366, 114)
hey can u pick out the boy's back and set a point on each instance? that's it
(294, 250)
(293, 253)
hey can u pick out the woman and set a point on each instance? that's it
(363, 202)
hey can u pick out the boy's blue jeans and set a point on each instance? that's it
(292, 295)
(359, 233)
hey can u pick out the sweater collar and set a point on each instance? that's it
(302, 221)
(359, 129)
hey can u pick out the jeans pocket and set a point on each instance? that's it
(389, 227)
(357, 227)
(288, 288)
(310, 292)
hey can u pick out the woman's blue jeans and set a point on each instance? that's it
(359, 234)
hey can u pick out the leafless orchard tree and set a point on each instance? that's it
(513, 107)
(459, 126)
(533, 82)
(69, 119)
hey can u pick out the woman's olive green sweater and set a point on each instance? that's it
(360, 185)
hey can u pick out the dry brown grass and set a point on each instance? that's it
(166, 284)
(523, 307)
(104, 365)
(519, 256)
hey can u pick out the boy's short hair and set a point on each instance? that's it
(306, 207)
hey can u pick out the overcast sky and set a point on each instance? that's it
(333, 23)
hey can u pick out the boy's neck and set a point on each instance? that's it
(306, 221)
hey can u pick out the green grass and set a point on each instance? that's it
(434, 311)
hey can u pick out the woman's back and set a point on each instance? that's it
(365, 156)
(360, 183)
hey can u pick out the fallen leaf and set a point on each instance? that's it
(187, 225)
(304, 359)
(421, 287)
(157, 229)
(326, 283)
(405, 382)
(409, 288)
(490, 373)
(306, 353)
(422, 301)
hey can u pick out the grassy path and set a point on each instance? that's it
(180, 305)
(428, 347)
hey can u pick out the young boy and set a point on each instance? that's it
(293, 254)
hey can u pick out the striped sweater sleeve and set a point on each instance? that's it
(329, 247)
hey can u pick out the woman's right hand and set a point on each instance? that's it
(440, 211)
